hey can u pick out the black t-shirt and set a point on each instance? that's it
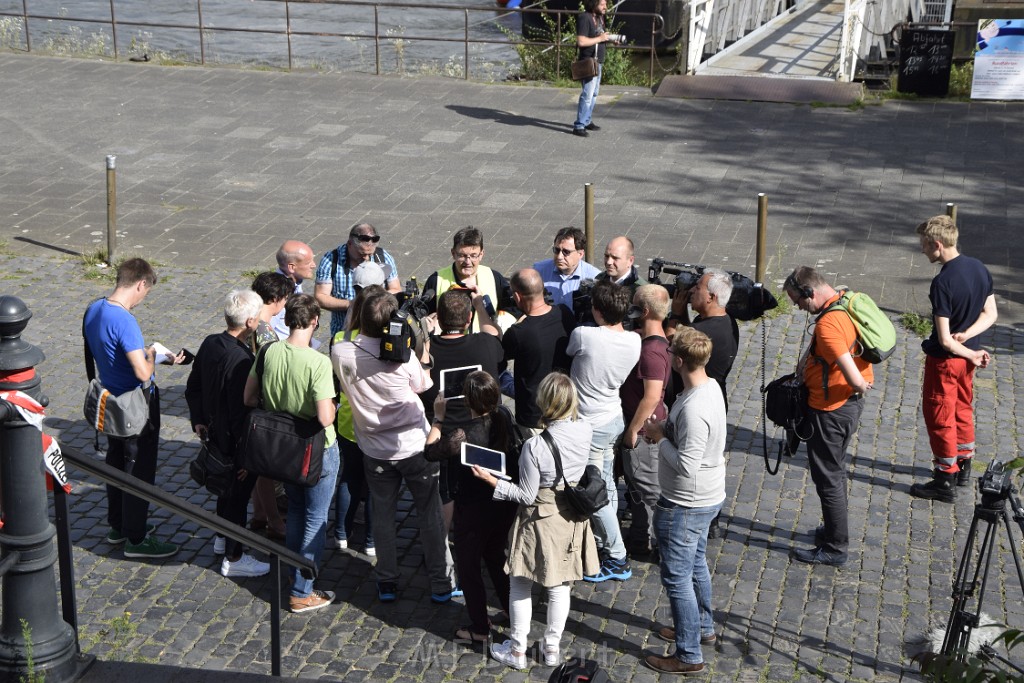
(958, 292)
(482, 431)
(478, 348)
(537, 345)
(725, 341)
(590, 26)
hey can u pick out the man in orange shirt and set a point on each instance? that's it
(836, 382)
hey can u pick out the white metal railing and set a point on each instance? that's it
(867, 24)
(715, 24)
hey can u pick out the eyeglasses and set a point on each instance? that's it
(367, 238)
(564, 252)
(469, 257)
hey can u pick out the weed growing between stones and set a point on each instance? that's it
(916, 323)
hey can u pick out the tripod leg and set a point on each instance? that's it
(962, 621)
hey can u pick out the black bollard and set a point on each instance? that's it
(26, 541)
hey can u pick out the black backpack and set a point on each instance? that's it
(579, 670)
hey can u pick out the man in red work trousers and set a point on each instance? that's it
(963, 306)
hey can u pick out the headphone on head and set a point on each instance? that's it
(804, 291)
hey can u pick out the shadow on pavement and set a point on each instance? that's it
(507, 118)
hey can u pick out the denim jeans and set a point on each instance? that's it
(385, 479)
(307, 518)
(682, 538)
(588, 98)
(351, 489)
(605, 523)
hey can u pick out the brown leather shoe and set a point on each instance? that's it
(670, 664)
(668, 634)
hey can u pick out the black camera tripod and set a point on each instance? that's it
(996, 490)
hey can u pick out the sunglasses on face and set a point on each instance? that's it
(564, 252)
(368, 238)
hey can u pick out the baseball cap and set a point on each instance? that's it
(367, 273)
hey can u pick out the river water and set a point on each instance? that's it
(410, 36)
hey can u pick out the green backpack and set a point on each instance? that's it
(875, 332)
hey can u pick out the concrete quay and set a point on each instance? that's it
(218, 166)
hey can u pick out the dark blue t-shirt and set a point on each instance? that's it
(958, 292)
(112, 332)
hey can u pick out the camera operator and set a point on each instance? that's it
(836, 381)
(709, 297)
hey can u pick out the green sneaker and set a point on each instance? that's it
(115, 537)
(150, 548)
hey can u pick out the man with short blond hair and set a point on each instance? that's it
(963, 306)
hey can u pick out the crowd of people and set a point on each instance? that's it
(635, 385)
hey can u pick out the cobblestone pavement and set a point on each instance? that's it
(218, 166)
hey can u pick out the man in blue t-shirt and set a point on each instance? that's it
(963, 306)
(124, 363)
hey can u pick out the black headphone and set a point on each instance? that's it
(804, 291)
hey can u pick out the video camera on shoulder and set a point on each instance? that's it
(749, 300)
(405, 332)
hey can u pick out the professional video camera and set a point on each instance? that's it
(749, 300)
(583, 306)
(406, 330)
(995, 485)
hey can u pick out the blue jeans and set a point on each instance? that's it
(682, 538)
(351, 489)
(588, 98)
(605, 523)
(307, 517)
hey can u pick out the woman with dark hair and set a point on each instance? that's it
(481, 523)
(547, 545)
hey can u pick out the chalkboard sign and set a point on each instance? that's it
(926, 58)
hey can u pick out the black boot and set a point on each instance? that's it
(963, 477)
(941, 488)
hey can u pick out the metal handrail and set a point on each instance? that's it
(182, 508)
(657, 24)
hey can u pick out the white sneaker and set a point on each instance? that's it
(552, 656)
(371, 551)
(245, 566)
(219, 545)
(502, 652)
(337, 543)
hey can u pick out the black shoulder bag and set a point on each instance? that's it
(589, 494)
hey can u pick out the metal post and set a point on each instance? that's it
(111, 208)
(466, 44)
(24, 15)
(650, 55)
(288, 31)
(762, 236)
(376, 35)
(951, 211)
(588, 219)
(113, 28)
(29, 595)
(558, 44)
(202, 43)
(275, 616)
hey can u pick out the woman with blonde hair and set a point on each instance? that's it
(546, 545)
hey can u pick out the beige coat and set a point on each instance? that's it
(547, 547)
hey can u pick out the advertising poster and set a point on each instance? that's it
(999, 60)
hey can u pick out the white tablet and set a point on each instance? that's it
(487, 459)
(453, 379)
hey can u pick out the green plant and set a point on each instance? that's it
(120, 635)
(961, 79)
(251, 273)
(916, 323)
(10, 33)
(31, 675)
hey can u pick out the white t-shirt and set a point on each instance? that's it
(602, 358)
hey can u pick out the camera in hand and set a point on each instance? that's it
(749, 300)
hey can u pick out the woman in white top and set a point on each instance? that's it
(546, 544)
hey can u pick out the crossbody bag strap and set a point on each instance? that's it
(550, 441)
